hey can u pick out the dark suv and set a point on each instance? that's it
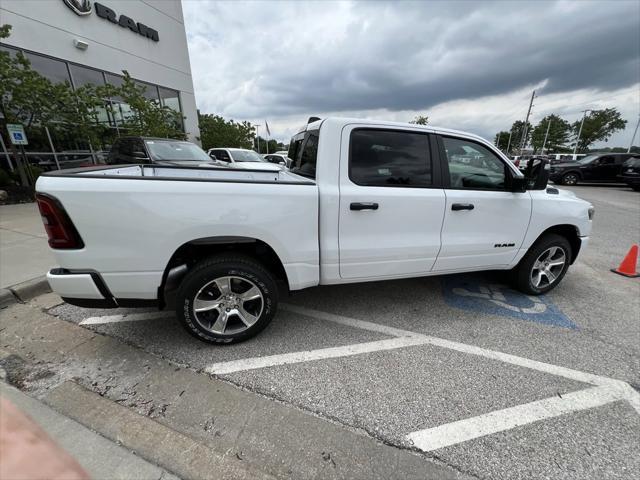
(597, 167)
(163, 151)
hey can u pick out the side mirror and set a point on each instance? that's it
(537, 174)
(213, 157)
(140, 155)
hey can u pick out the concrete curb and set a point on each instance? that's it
(151, 440)
(24, 291)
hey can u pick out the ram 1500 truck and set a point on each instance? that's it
(364, 201)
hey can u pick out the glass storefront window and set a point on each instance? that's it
(150, 92)
(54, 70)
(85, 76)
(170, 98)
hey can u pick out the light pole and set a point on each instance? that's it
(584, 115)
(258, 137)
(498, 142)
(634, 135)
(509, 142)
(545, 136)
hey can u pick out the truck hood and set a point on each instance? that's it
(185, 163)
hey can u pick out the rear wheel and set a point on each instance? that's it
(226, 299)
(570, 178)
(544, 265)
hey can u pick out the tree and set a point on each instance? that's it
(215, 131)
(559, 133)
(420, 120)
(501, 140)
(148, 117)
(273, 145)
(518, 132)
(598, 126)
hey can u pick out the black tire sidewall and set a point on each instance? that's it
(523, 272)
(208, 272)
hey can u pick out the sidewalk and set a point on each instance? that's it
(100, 457)
(24, 253)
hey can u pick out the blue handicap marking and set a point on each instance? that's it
(17, 135)
(476, 294)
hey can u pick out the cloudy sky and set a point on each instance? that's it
(467, 65)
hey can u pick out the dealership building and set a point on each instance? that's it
(83, 42)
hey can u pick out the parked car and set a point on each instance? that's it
(161, 151)
(241, 158)
(631, 172)
(278, 158)
(597, 167)
(364, 201)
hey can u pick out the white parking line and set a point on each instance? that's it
(501, 420)
(309, 355)
(126, 318)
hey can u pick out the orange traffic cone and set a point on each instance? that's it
(628, 265)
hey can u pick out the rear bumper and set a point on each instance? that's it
(630, 180)
(86, 288)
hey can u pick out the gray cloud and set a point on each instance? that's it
(281, 59)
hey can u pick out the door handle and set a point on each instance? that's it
(462, 206)
(364, 206)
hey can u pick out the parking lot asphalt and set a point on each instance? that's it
(492, 382)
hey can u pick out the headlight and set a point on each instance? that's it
(592, 210)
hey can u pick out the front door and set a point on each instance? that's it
(485, 223)
(391, 203)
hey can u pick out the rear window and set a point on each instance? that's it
(389, 158)
(305, 153)
(633, 162)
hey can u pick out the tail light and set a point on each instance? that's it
(60, 230)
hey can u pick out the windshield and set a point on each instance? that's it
(176, 151)
(587, 159)
(246, 156)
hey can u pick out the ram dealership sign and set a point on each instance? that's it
(84, 7)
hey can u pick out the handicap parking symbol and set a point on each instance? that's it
(473, 294)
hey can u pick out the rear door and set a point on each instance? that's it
(485, 223)
(391, 203)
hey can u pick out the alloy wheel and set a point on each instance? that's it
(548, 267)
(228, 305)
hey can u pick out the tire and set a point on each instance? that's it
(570, 178)
(525, 275)
(636, 188)
(236, 298)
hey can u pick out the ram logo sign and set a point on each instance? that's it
(83, 7)
(80, 7)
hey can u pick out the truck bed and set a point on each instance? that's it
(157, 172)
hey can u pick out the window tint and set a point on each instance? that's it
(85, 76)
(306, 165)
(54, 70)
(389, 158)
(221, 155)
(473, 166)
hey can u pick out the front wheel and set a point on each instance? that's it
(570, 178)
(226, 299)
(544, 265)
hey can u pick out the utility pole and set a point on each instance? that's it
(526, 123)
(584, 115)
(509, 142)
(545, 136)
(258, 136)
(498, 142)
(634, 135)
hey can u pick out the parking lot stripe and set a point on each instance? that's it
(351, 322)
(501, 420)
(461, 347)
(309, 355)
(126, 318)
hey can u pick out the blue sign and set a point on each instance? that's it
(473, 293)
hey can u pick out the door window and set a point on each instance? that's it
(221, 155)
(389, 158)
(306, 165)
(473, 166)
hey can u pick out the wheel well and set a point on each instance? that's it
(190, 253)
(571, 233)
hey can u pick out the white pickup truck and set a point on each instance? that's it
(364, 201)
